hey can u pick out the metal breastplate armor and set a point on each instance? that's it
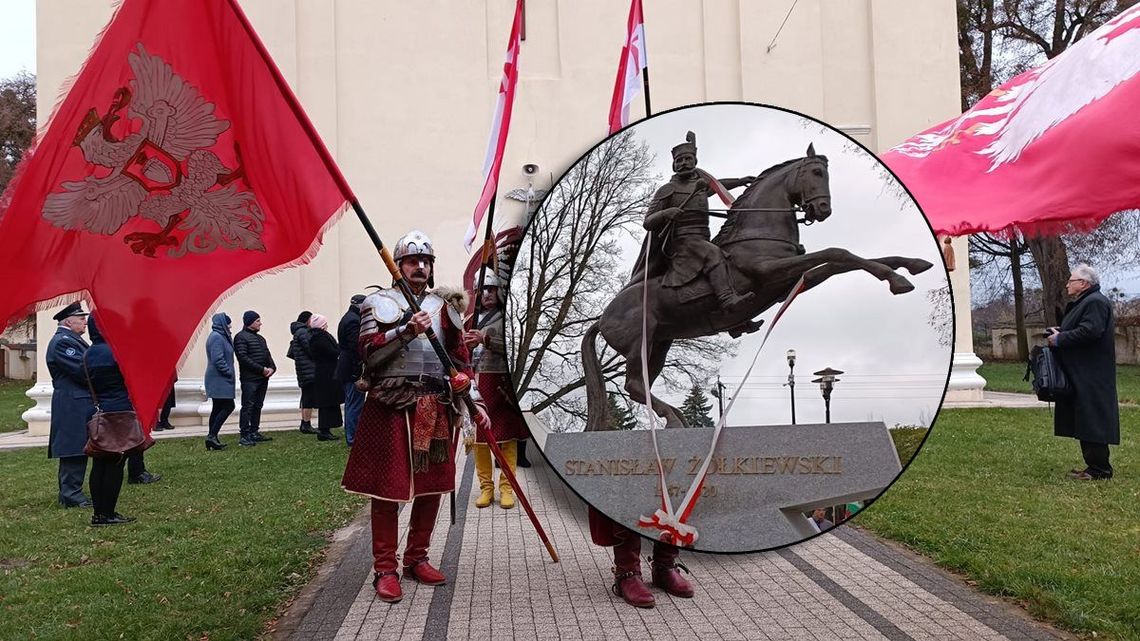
(386, 310)
(694, 220)
(492, 358)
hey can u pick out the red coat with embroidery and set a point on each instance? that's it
(506, 421)
(380, 463)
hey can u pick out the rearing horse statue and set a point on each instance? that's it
(760, 241)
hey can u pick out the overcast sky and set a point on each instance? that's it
(17, 37)
(895, 370)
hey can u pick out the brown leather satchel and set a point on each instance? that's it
(112, 434)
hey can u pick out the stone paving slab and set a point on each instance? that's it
(841, 585)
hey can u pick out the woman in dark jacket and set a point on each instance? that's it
(327, 392)
(306, 370)
(111, 396)
(220, 379)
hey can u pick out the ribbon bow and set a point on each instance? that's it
(673, 531)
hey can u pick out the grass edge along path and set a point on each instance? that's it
(1006, 376)
(13, 402)
(987, 498)
(221, 544)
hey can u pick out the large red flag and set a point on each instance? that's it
(500, 124)
(178, 166)
(1057, 148)
(632, 65)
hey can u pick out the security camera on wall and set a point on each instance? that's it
(530, 170)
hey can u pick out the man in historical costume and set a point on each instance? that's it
(628, 583)
(1086, 347)
(70, 404)
(402, 451)
(678, 217)
(507, 425)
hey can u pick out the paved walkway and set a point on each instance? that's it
(840, 585)
(998, 399)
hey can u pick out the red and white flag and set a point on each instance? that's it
(631, 68)
(1055, 149)
(500, 124)
(178, 166)
(717, 188)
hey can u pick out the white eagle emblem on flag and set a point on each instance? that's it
(162, 171)
(1030, 105)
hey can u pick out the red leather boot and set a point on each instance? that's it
(665, 574)
(384, 541)
(627, 572)
(420, 525)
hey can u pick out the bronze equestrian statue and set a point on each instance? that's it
(758, 258)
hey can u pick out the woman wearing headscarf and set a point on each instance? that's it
(110, 395)
(220, 379)
(328, 394)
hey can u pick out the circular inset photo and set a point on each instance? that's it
(776, 291)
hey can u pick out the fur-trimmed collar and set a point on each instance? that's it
(453, 296)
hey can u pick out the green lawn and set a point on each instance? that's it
(987, 497)
(13, 403)
(220, 543)
(907, 440)
(1006, 377)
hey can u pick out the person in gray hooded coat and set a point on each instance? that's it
(220, 379)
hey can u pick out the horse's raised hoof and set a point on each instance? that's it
(900, 285)
(917, 266)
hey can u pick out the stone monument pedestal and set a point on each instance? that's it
(761, 479)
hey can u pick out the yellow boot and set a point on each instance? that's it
(510, 451)
(483, 471)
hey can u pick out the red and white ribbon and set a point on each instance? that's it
(672, 523)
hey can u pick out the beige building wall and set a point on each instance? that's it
(403, 94)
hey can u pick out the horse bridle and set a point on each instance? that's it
(797, 208)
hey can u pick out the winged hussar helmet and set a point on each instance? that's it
(415, 243)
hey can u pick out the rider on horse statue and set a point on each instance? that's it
(678, 217)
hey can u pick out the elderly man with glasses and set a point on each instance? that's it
(1085, 344)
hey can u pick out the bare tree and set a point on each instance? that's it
(570, 266)
(17, 122)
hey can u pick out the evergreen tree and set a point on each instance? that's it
(696, 408)
(618, 415)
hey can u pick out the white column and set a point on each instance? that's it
(965, 383)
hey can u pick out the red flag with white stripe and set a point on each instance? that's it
(1056, 148)
(630, 70)
(500, 124)
(717, 188)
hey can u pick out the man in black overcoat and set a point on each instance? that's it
(1085, 345)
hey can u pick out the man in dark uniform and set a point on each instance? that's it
(678, 216)
(70, 404)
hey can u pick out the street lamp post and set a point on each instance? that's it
(792, 381)
(718, 392)
(827, 382)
